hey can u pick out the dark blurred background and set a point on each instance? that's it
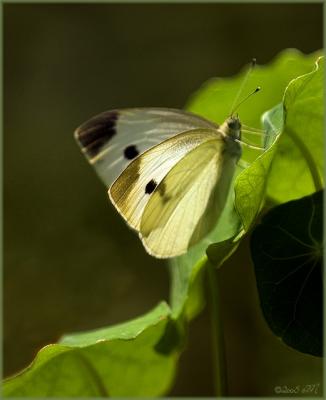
(70, 261)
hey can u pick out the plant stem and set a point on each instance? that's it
(309, 159)
(219, 360)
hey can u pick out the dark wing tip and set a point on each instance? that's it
(93, 134)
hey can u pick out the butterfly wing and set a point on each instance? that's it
(189, 200)
(143, 176)
(112, 139)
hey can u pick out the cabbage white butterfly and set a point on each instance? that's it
(168, 171)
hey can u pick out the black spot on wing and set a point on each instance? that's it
(131, 152)
(150, 187)
(97, 131)
(160, 189)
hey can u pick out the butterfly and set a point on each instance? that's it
(168, 171)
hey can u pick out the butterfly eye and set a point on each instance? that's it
(234, 124)
(150, 187)
(131, 152)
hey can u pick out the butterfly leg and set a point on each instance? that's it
(253, 131)
(250, 145)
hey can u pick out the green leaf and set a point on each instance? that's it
(187, 292)
(215, 98)
(286, 249)
(217, 253)
(298, 165)
(129, 359)
(251, 183)
(250, 187)
(213, 101)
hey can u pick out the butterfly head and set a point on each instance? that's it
(232, 127)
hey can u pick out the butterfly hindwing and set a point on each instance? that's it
(112, 139)
(142, 178)
(189, 200)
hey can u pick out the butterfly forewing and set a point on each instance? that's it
(189, 200)
(111, 140)
(142, 178)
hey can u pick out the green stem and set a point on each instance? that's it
(309, 159)
(219, 360)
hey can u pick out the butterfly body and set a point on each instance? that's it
(168, 171)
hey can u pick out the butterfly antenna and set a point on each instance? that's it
(246, 98)
(245, 79)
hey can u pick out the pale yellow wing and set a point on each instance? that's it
(141, 179)
(189, 200)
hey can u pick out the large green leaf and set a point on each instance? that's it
(129, 359)
(288, 275)
(213, 101)
(250, 185)
(215, 98)
(287, 249)
(298, 165)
